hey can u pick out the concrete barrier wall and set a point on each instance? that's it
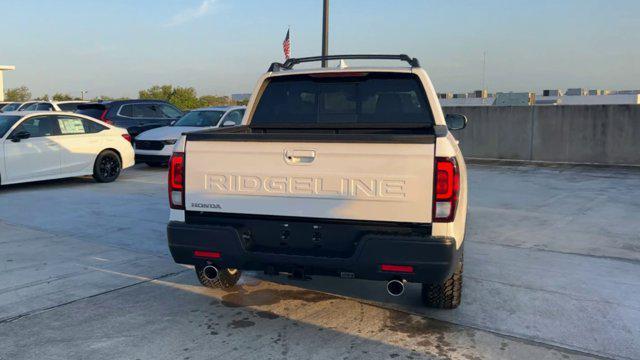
(589, 134)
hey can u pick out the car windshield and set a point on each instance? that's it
(11, 107)
(29, 107)
(200, 118)
(6, 122)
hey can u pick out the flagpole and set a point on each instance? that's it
(325, 31)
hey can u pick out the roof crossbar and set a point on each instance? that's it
(290, 63)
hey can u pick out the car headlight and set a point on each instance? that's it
(169, 142)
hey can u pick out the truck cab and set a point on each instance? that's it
(346, 172)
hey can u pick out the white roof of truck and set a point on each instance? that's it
(399, 69)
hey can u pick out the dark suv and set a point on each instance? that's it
(134, 115)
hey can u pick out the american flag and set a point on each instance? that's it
(286, 46)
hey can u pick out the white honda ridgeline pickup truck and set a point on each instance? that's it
(347, 172)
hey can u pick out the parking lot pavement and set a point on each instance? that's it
(552, 270)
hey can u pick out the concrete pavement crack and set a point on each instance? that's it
(602, 257)
(55, 234)
(40, 311)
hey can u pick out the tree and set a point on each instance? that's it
(157, 92)
(19, 94)
(213, 100)
(62, 97)
(44, 97)
(183, 97)
(108, 98)
(186, 98)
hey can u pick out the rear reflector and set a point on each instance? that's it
(127, 137)
(396, 268)
(206, 254)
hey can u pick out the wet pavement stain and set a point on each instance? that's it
(425, 343)
(265, 297)
(240, 324)
(432, 334)
(472, 357)
(415, 326)
(267, 315)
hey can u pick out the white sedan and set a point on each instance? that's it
(154, 147)
(43, 145)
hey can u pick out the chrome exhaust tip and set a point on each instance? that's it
(210, 272)
(395, 287)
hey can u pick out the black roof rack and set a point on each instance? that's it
(290, 63)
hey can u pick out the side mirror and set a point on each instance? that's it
(228, 123)
(456, 121)
(20, 135)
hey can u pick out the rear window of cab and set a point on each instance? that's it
(359, 99)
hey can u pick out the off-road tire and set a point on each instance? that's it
(107, 167)
(227, 278)
(446, 295)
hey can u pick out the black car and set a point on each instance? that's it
(136, 116)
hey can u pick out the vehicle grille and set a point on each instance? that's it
(149, 145)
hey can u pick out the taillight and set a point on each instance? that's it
(446, 189)
(176, 181)
(103, 117)
(127, 137)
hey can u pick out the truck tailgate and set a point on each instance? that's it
(324, 179)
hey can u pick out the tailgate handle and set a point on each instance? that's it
(299, 157)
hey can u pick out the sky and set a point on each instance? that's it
(118, 47)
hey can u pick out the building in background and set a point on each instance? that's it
(240, 97)
(515, 99)
(475, 98)
(556, 93)
(628, 92)
(574, 96)
(591, 97)
(576, 92)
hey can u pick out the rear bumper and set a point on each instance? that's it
(141, 158)
(433, 258)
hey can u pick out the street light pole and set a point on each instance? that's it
(82, 94)
(4, 68)
(325, 31)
